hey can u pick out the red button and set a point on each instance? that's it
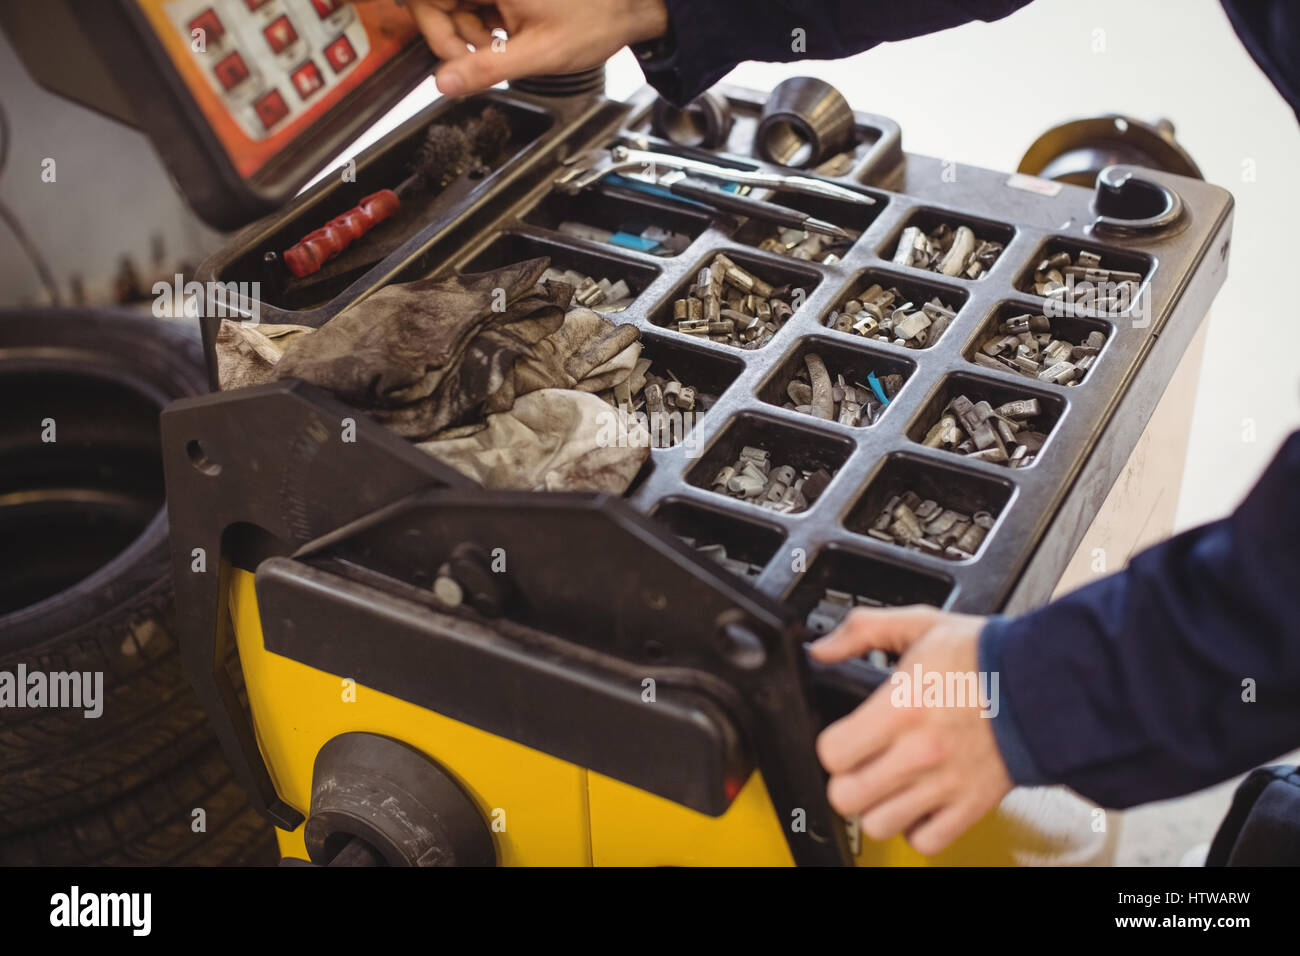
(231, 71)
(325, 7)
(256, 4)
(210, 24)
(271, 108)
(307, 79)
(340, 53)
(280, 34)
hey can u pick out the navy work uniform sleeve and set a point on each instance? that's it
(707, 39)
(1174, 674)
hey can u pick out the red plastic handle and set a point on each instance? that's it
(317, 248)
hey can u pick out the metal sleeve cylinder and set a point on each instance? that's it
(704, 122)
(805, 121)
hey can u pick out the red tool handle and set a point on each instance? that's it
(316, 248)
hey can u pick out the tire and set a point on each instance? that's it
(153, 825)
(91, 590)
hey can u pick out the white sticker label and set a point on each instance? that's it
(1032, 184)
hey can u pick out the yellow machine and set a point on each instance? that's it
(443, 679)
(541, 810)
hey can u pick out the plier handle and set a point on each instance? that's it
(589, 166)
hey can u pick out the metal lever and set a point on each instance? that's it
(590, 166)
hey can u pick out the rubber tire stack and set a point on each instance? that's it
(85, 585)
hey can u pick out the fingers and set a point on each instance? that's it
(524, 55)
(450, 28)
(863, 734)
(933, 834)
(856, 786)
(911, 789)
(916, 793)
(908, 809)
(916, 765)
(890, 629)
(472, 28)
(439, 31)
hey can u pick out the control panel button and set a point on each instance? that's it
(325, 7)
(231, 70)
(340, 53)
(280, 34)
(271, 108)
(211, 25)
(307, 79)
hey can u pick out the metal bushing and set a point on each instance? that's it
(704, 122)
(1075, 152)
(805, 121)
(377, 800)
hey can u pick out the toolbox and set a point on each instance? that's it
(606, 693)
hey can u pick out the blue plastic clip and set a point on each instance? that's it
(877, 388)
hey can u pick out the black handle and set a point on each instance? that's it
(840, 688)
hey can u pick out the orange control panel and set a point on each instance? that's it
(262, 71)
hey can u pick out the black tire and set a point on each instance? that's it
(92, 591)
(153, 825)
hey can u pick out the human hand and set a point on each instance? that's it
(928, 772)
(541, 36)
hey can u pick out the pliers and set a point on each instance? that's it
(589, 166)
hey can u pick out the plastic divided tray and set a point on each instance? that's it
(1040, 511)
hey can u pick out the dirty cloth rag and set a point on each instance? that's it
(553, 439)
(448, 364)
(247, 353)
(430, 355)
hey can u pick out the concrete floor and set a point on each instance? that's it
(991, 89)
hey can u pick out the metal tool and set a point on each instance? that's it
(681, 184)
(591, 165)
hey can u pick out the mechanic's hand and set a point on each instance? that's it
(541, 36)
(926, 772)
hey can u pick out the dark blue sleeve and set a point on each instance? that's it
(1270, 31)
(709, 38)
(1174, 674)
